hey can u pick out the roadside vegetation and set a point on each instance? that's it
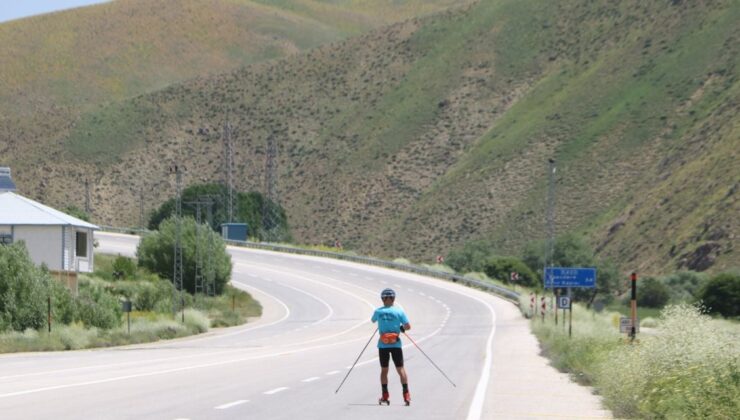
(685, 362)
(94, 317)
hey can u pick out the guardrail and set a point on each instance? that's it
(455, 278)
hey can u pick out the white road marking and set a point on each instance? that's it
(333, 372)
(276, 390)
(311, 379)
(231, 404)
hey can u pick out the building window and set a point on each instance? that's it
(81, 244)
(6, 239)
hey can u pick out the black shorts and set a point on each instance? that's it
(385, 355)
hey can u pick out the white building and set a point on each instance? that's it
(62, 242)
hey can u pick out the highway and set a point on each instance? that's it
(289, 363)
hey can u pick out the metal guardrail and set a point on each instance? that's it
(455, 278)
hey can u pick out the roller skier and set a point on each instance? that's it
(392, 321)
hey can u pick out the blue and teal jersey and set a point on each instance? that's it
(389, 319)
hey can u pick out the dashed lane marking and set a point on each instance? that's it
(231, 404)
(276, 390)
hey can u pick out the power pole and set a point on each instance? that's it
(87, 197)
(229, 155)
(550, 220)
(141, 208)
(210, 269)
(177, 269)
(271, 194)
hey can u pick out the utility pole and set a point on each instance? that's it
(210, 269)
(229, 155)
(551, 220)
(271, 195)
(141, 208)
(177, 269)
(87, 197)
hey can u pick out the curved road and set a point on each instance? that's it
(288, 364)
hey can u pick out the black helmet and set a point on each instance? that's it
(387, 293)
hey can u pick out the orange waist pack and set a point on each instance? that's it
(389, 338)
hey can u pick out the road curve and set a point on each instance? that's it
(289, 363)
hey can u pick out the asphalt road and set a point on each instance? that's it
(289, 363)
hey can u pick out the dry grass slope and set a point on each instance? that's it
(414, 138)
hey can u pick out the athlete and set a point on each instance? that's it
(392, 321)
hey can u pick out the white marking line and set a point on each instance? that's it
(311, 379)
(422, 293)
(231, 404)
(333, 372)
(276, 390)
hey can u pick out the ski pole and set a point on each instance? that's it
(435, 365)
(358, 358)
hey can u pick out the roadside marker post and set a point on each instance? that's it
(543, 306)
(532, 300)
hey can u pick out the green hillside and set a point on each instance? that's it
(417, 137)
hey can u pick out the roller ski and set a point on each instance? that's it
(384, 399)
(407, 398)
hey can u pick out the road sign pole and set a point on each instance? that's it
(557, 296)
(570, 313)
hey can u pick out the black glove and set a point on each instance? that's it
(403, 329)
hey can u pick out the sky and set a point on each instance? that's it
(15, 9)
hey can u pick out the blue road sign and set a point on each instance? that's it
(570, 277)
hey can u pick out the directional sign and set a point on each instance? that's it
(570, 277)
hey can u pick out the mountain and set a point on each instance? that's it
(416, 137)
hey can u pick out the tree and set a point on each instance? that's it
(684, 286)
(472, 257)
(501, 268)
(249, 208)
(571, 250)
(156, 252)
(24, 288)
(652, 293)
(721, 294)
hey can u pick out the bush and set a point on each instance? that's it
(721, 294)
(691, 369)
(24, 289)
(472, 257)
(684, 286)
(155, 252)
(500, 268)
(652, 293)
(98, 308)
(123, 268)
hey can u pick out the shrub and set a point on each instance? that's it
(501, 268)
(721, 294)
(652, 293)
(23, 290)
(123, 268)
(471, 257)
(155, 252)
(691, 369)
(96, 307)
(684, 286)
